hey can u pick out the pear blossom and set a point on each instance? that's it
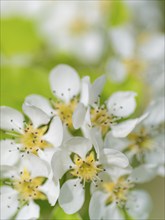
(145, 142)
(73, 28)
(78, 158)
(38, 134)
(90, 113)
(66, 86)
(116, 196)
(135, 54)
(23, 184)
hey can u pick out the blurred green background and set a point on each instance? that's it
(26, 60)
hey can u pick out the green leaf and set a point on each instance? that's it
(59, 214)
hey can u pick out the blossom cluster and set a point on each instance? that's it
(58, 147)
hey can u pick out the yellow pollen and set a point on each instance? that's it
(134, 66)
(87, 169)
(78, 26)
(117, 190)
(101, 118)
(32, 139)
(141, 142)
(28, 187)
(65, 111)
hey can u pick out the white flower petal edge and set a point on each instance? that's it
(9, 152)
(122, 104)
(124, 128)
(156, 112)
(116, 70)
(52, 191)
(114, 157)
(28, 212)
(55, 133)
(36, 115)
(96, 207)
(8, 206)
(71, 197)
(78, 145)
(60, 163)
(85, 90)
(11, 119)
(79, 116)
(143, 173)
(41, 103)
(35, 165)
(65, 82)
(90, 92)
(111, 212)
(96, 89)
(139, 204)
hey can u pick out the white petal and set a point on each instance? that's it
(116, 172)
(47, 154)
(96, 89)
(9, 202)
(51, 190)
(153, 49)
(11, 119)
(156, 112)
(112, 212)
(9, 172)
(85, 90)
(79, 116)
(60, 163)
(79, 145)
(9, 152)
(115, 143)
(29, 212)
(71, 197)
(116, 71)
(139, 204)
(55, 133)
(143, 173)
(35, 165)
(122, 104)
(114, 157)
(96, 139)
(36, 115)
(96, 205)
(41, 103)
(65, 82)
(124, 128)
(126, 39)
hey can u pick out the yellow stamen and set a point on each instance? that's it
(65, 111)
(32, 139)
(28, 187)
(101, 118)
(87, 169)
(117, 190)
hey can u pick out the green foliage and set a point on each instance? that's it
(19, 36)
(119, 13)
(59, 214)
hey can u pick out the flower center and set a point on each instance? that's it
(102, 119)
(134, 65)
(117, 191)
(78, 26)
(65, 111)
(87, 170)
(28, 187)
(141, 141)
(32, 139)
